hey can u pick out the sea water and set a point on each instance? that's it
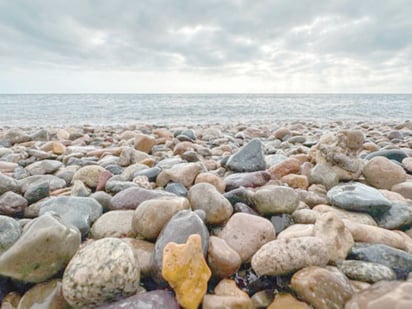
(113, 109)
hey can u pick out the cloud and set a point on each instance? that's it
(230, 46)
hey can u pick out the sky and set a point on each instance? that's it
(198, 46)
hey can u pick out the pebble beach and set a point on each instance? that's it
(284, 214)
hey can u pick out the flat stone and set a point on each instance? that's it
(15, 136)
(78, 211)
(249, 158)
(323, 288)
(383, 295)
(391, 154)
(247, 233)
(177, 230)
(44, 248)
(54, 182)
(10, 232)
(131, 198)
(338, 239)
(115, 223)
(280, 257)
(375, 235)
(152, 215)
(205, 196)
(358, 197)
(366, 271)
(398, 260)
(104, 270)
(276, 200)
(43, 167)
(153, 299)
(185, 269)
(151, 173)
(12, 204)
(7, 167)
(382, 173)
(130, 156)
(46, 295)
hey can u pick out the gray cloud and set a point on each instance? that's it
(355, 42)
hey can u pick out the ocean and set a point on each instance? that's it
(121, 109)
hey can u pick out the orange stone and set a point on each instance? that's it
(186, 271)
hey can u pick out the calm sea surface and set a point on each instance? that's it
(104, 109)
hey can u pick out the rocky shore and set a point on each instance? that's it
(271, 215)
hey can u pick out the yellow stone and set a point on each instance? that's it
(186, 270)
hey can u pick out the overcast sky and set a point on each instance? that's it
(205, 46)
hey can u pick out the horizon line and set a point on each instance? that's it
(207, 93)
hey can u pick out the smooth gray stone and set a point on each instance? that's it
(398, 260)
(358, 197)
(178, 229)
(115, 169)
(8, 184)
(240, 195)
(150, 173)
(37, 191)
(391, 154)
(250, 158)
(54, 182)
(366, 271)
(281, 222)
(398, 216)
(40, 135)
(10, 231)
(156, 299)
(78, 211)
(116, 186)
(43, 167)
(176, 188)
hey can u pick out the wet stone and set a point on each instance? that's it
(399, 216)
(358, 197)
(398, 260)
(391, 154)
(58, 242)
(78, 211)
(366, 271)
